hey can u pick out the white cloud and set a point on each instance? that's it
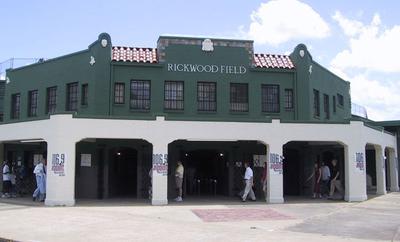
(279, 21)
(371, 46)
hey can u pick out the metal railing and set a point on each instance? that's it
(15, 63)
(359, 110)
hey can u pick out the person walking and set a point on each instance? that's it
(39, 172)
(335, 182)
(326, 176)
(179, 180)
(6, 180)
(264, 179)
(317, 180)
(248, 179)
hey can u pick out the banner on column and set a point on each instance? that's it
(160, 164)
(359, 162)
(58, 164)
(275, 164)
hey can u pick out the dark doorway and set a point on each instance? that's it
(291, 172)
(123, 172)
(205, 173)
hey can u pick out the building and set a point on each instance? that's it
(107, 115)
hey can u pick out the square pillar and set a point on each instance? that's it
(160, 174)
(2, 158)
(380, 171)
(355, 173)
(394, 172)
(275, 174)
(60, 170)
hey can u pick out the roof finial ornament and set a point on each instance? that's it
(207, 45)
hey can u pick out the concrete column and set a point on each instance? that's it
(60, 184)
(380, 171)
(355, 173)
(393, 169)
(275, 173)
(160, 174)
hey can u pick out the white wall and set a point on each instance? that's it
(62, 132)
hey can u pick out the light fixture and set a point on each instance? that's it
(221, 154)
(118, 153)
(186, 154)
(31, 141)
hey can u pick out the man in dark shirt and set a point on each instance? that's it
(335, 182)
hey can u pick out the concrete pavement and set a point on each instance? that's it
(377, 219)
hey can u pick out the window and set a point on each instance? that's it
(289, 104)
(173, 95)
(239, 97)
(51, 100)
(32, 103)
(316, 103)
(85, 94)
(119, 93)
(15, 105)
(326, 106)
(334, 104)
(72, 96)
(206, 96)
(1, 117)
(140, 95)
(340, 99)
(270, 98)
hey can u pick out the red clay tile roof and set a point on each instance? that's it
(273, 61)
(132, 54)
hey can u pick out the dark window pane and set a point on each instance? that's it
(316, 103)
(32, 103)
(206, 96)
(270, 98)
(140, 95)
(85, 95)
(119, 93)
(51, 100)
(72, 96)
(326, 106)
(15, 105)
(289, 103)
(340, 99)
(239, 97)
(173, 95)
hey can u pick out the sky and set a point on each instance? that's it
(357, 40)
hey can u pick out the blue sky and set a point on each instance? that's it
(355, 39)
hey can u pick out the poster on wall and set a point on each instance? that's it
(58, 164)
(160, 164)
(359, 162)
(275, 164)
(86, 160)
(259, 160)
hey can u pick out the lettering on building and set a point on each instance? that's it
(275, 164)
(360, 166)
(198, 68)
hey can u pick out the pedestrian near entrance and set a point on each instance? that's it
(335, 182)
(40, 173)
(264, 179)
(326, 176)
(6, 180)
(317, 180)
(179, 180)
(248, 179)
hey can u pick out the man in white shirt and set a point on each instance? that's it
(326, 176)
(248, 178)
(39, 172)
(6, 180)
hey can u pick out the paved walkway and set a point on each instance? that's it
(377, 219)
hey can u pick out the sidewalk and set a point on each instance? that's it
(377, 219)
